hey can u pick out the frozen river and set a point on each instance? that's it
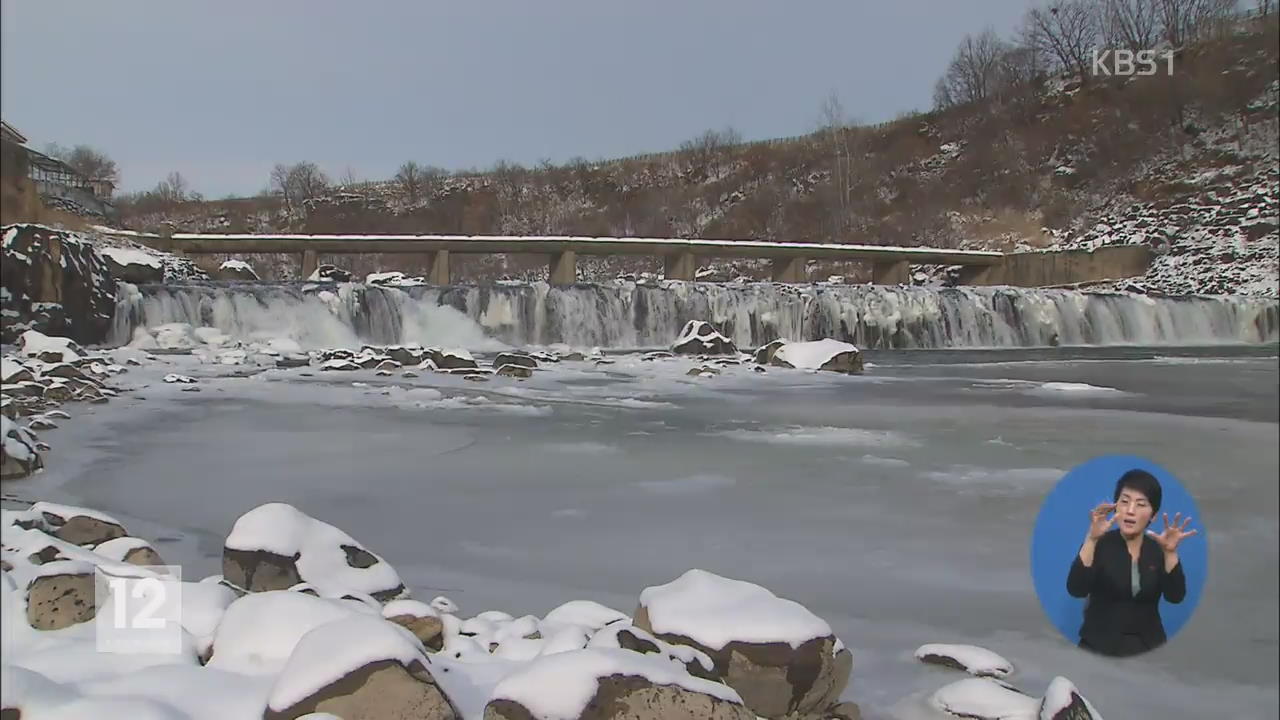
(897, 505)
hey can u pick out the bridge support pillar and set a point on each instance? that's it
(563, 268)
(438, 268)
(681, 266)
(309, 263)
(977, 275)
(790, 270)
(897, 272)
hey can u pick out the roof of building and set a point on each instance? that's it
(10, 133)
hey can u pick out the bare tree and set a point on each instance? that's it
(1130, 24)
(706, 150)
(410, 178)
(298, 183)
(173, 189)
(1067, 31)
(835, 128)
(1019, 70)
(1184, 20)
(93, 164)
(973, 72)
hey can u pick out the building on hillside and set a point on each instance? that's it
(58, 184)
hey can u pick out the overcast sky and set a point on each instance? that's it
(221, 91)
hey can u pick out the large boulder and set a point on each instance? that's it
(77, 525)
(132, 265)
(610, 684)
(276, 546)
(331, 273)
(453, 359)
(54, 282)
(782, 659)
(418, 618)
(764, 354)
(701, 338)
(826, 354)
(519, 359)
(60, 595)
(359, 668)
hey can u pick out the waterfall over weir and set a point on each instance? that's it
(624, 315)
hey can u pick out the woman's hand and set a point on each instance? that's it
(1173, 533)
(1101, 519)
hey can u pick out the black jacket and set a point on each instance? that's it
(1115, 621)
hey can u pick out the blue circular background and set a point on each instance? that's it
(1064, 520)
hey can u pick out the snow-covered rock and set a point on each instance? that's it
(19, 450)
(49, 349)
(594, 684)
(451, 359)
(179, 379)
(330, 273)
(76, 525)
(358, 667)
(825, 354)
(236, 270)
(972, 659)
(393, 279)
(701, 338)
(276, 546)
(984, 699)
(1062, 701)
(776, 653)
(418, 618)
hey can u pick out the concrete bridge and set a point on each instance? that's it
(890, 264)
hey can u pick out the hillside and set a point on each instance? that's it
(1185, 162)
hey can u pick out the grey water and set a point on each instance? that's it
(898, 505)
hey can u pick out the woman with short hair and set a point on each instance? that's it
(1126, 570)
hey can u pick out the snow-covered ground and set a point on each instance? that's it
(896, 506)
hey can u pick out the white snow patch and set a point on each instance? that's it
(714, 611)
(984, 698)
(976, 660)
(812, 355)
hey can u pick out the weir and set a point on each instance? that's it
(627, 315)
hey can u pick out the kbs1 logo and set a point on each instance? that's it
(1126, 63)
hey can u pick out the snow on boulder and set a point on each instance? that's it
(451, 359)
(12, 372)
(393, 279)
(764, 354)
(984, 699)
(779, 656)
(50, 349)
(76, 525)
(418, 618)
(257, 632)
(628, 637)
(330, 273)
(587, 614)
(181, 379)
(19, 450)
(132, 265)
(60, 595)
(358, 668)
(825, 354)
(276, 546)
(972, 659)
(701, 338)
(520, 359)
(235, 270)
(26, 693)
(1062, 701)
(131, 550)
(601, 684)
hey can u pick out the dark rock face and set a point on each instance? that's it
(55, 283)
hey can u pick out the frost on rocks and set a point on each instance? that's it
(972, 659)
(701, 338)
(359, 666)
(579, 684)
(180, 379)
(276, 546)
(776, 653)
(825, 354)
